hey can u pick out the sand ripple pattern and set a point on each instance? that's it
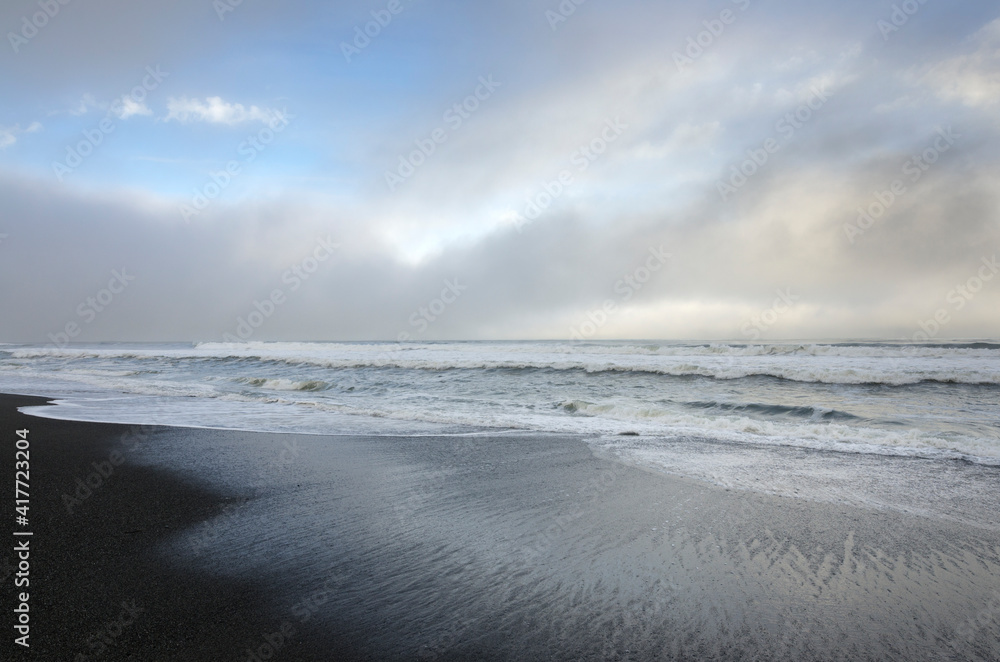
(515, 549)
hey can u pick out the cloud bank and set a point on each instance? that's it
(810, 174)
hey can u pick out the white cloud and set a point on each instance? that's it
(9, 134)
(129, 107)
(86, 103)
(217, 111)
(685, 136)
(972, 79)
(903, 102)
(122, 108)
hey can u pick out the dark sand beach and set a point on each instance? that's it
(225, 545)
(98, 590)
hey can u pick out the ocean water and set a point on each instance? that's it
(797, 419)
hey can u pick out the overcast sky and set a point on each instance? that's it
(499, 170)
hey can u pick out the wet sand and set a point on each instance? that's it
(98, 590)
(459, 548)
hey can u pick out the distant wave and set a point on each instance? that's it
(313, 351)
(892, 365)
(846, 349)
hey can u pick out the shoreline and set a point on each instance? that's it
(502, 547)
(98, 589)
